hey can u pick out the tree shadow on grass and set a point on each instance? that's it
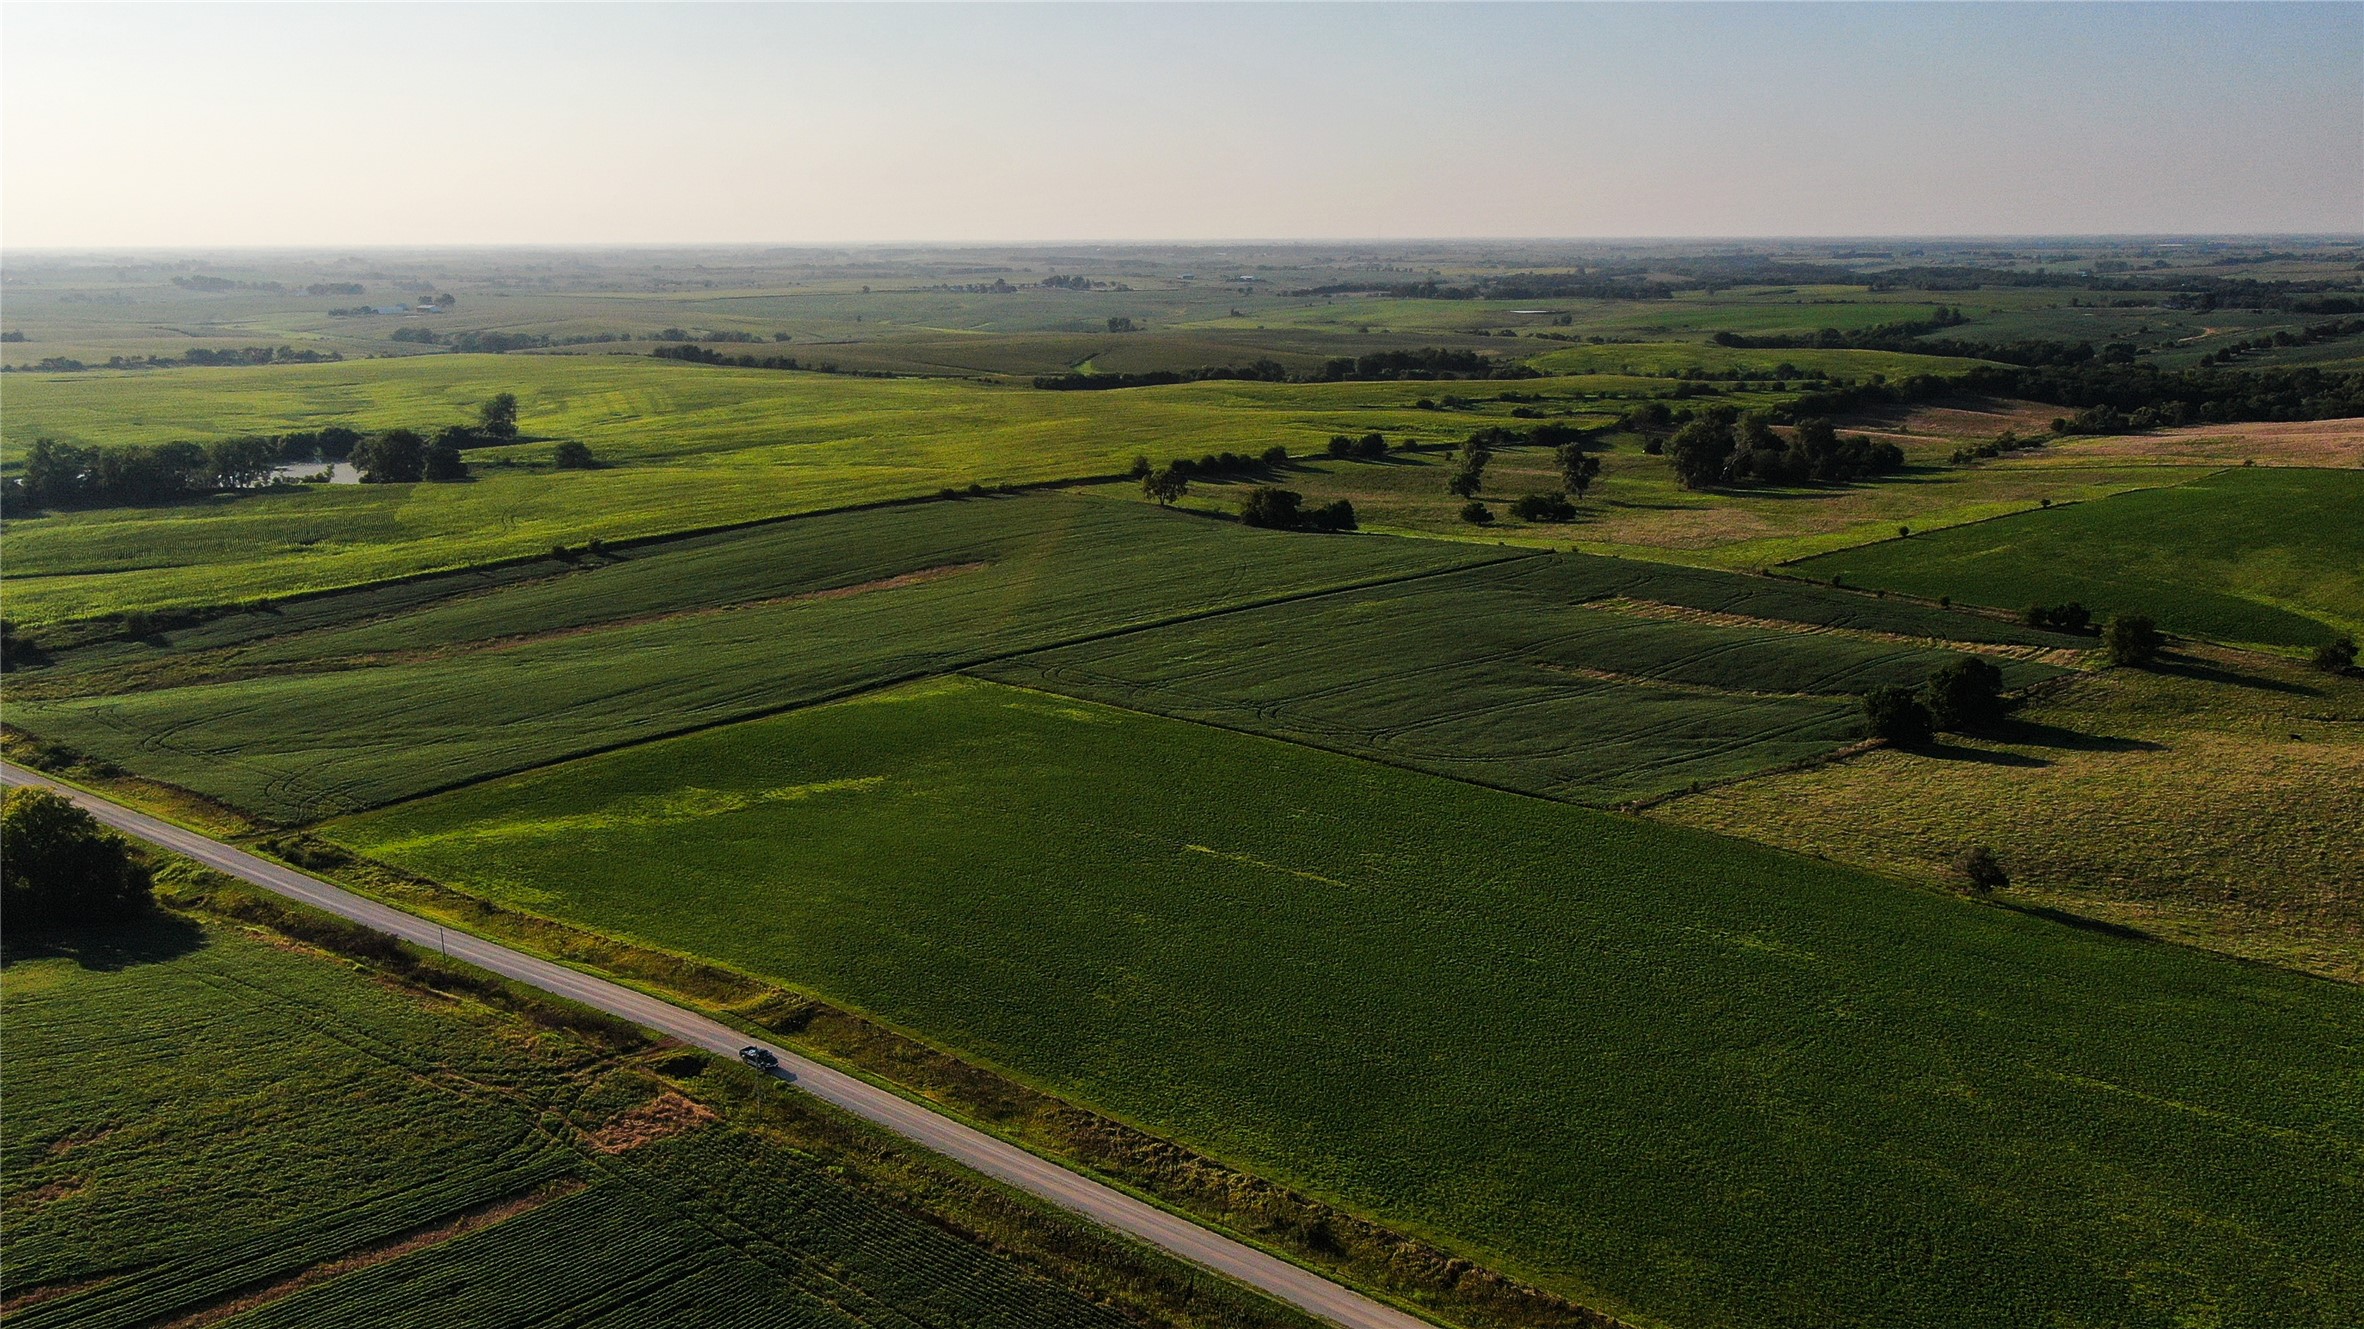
(2034, 733)
(152, 939)
(2185, 666)
(1944, 751)
(2078, 921)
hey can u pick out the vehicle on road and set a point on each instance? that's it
(760, 1060)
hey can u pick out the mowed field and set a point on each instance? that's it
(384, 694)
(687, 447)
(1669, 1074)
(2211, 800)
(208, 1125)
(1574, 677)
(2265, 555)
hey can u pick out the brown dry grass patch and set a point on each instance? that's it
(2336, 444)
(2063, 656)
(668, 1114)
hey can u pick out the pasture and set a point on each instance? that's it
(2210, 801)
(206, 1123)
(1594, 680)
(2263, 555)
(348, 701)
(1669, 1074)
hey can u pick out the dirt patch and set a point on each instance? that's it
(73, 1140)
(50, 1192)
(2327, 443)
(2065, 657)
(668, 1114)
(34, 1296)
(482, 1216)
(1959, 418)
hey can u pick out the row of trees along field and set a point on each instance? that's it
(62, 475)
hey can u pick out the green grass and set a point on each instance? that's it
(690, 446)
(2268, 555)
(1539, 675)
(198, 1118)
(1678, 1076)
(360, 709)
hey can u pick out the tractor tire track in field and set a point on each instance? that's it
(995, 1158)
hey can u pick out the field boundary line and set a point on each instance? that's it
(867, 687)
(2203, 473)
(981, 1152)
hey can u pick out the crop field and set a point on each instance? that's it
(2269, 555)
(1637, 510)
(2211, 801)
(1670, 1074)
(388, 694)
(1587, 679)
(733, 445)
(204, 1125)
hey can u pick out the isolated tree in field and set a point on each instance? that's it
(2336, 656)
(1476, 513)
(1701, 451)
(1469, 469)
(498, 417)
(2131, 639)
(1965, 695)
(573, 456)
(1979, 868)
(1165, 484)
(444, 462)
(396, 457)
(1543, 507)
(1896, 715)
(60, 868)
(1578, 468)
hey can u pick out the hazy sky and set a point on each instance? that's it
(413, 124)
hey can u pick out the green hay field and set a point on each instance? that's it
(380, 695)
(202, 1122)
(1588, 679)
(2268, 555)
(1669, 1074)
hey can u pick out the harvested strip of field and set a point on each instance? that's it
(1656, 1071)
(1539, 675)
(609, 665)
(2066, 657)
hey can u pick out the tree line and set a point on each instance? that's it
(195, 357)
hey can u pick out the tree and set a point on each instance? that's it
(1578, 468)
(1469, 469)
(1896, 715)
(573, 456)
(62, 869)
(337, 442)
(1701, 452)
(1979, 868)
(240, 463)
(1165, 484)
(1271, 509)
(1276, 456)
(499, 416)
(396, 457)
(54, 472)
(1965, 695)
(2336, 656)
(2132, 639)
(1543, 507)
(1476, 513)
(444, 463)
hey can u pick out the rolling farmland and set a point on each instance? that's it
(1581, 678)
(1662, 1072)
(360, 709)
(206, 1124)
(2270, 555)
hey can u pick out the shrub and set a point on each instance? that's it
(61, 868)
(1979, 868)
(1543, 507)
(1965, 695)
(573, 456)
(1476, 513)
(1166, 484)
(444, 463)
(2337, 656)
(1896, 715)
(2132, 639)
(1271, 509)
(1276, 455)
